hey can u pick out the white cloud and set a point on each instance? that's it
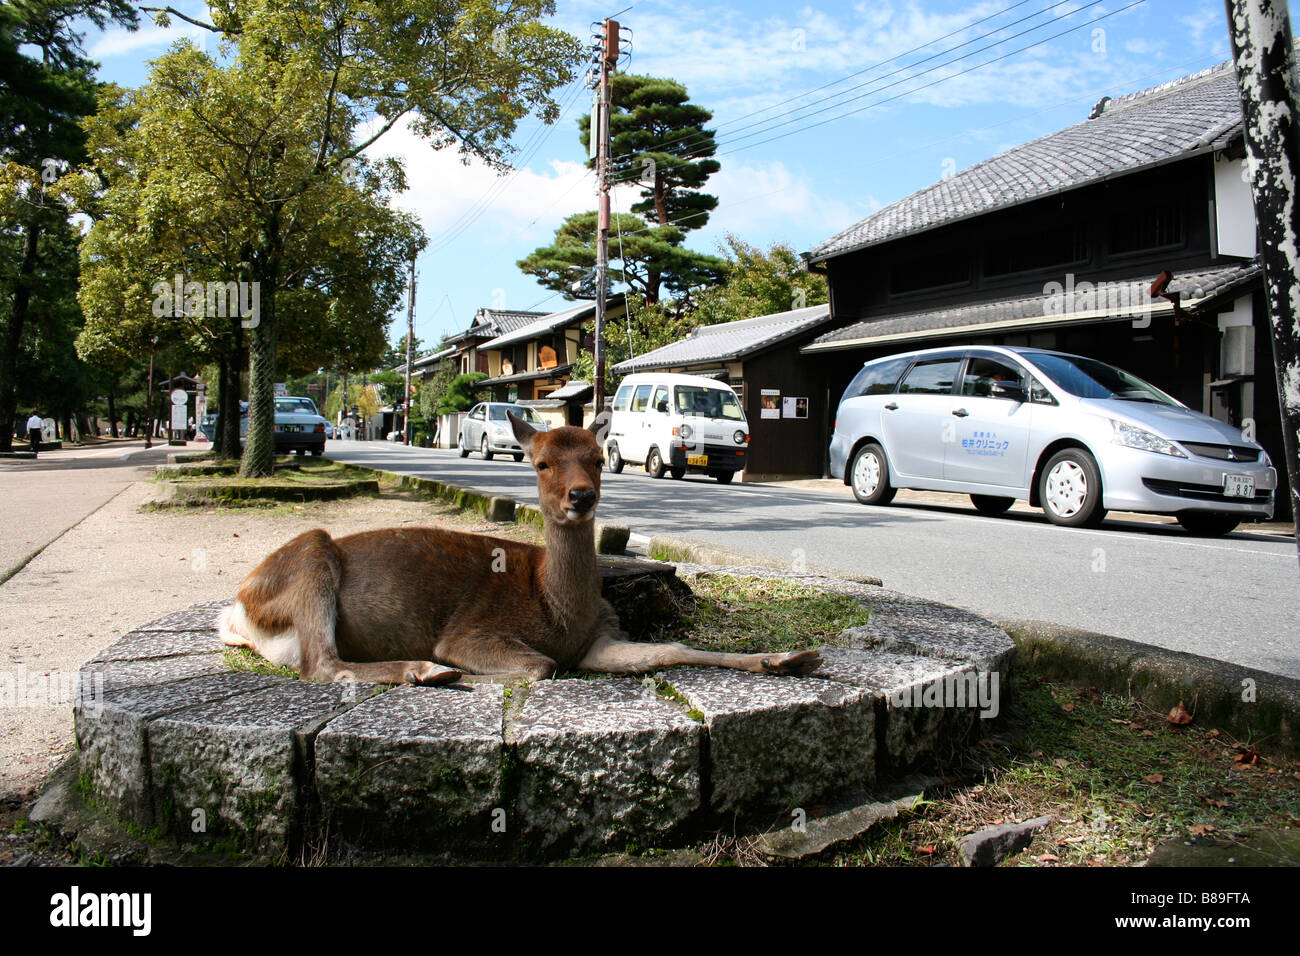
(525, 205)
(119, 42)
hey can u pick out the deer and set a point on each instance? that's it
(431, 606)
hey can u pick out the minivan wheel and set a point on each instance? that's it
(614, 459)
(518, 456)
(655, 464)
(724, 477)
(1070, 490)
(869, 475)
(677, 473)
(483, 447)
(1207, 525)
(460, 443)
(991, 504)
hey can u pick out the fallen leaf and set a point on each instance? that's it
(1048, 858)
(927, 850)
(1212, 733)
(1201, 829)
(1249, 758)
(1068, 708)
(1179, 715)
(1221, 804)
(1148, 733)
(1154, 778)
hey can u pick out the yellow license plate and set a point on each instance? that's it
(701, 460)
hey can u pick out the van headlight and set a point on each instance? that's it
(685, 432)
(740, 437)
(1134, 437)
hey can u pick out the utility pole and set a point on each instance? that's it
(1260, 32)
(410, 333)
(608, 40)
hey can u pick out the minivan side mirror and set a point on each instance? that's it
(1012, 390)
(662, 407)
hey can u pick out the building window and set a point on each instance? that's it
(936, 270)
(1044, 249)
(1159, 225)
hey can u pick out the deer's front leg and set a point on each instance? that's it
(612, 656)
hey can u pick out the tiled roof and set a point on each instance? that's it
(729, 340)
(1195, 114)
(1104, 300)
(549, 323)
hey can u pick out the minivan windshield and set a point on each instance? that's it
(1088, 378)
(707, 402)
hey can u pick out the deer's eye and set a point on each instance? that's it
(542, 466)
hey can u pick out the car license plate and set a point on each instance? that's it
(700, 460)
(1238, 486)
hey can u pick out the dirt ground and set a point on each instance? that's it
(119, 567)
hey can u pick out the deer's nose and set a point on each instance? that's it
(582, 499)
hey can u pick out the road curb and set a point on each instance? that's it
(1261, 708)
(668, 547)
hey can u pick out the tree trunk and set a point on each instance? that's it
(259, 453)
(14, 336)
(1260, 31)
(227, 437)
(112, 414)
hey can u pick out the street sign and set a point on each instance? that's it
(179, 396)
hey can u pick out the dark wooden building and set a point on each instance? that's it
(782, 392)
(1129, 237)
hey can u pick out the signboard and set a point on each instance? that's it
(281, 390)
(200, 415)
(792, 407)
(770, 403)
(179, 396)
(178, 418)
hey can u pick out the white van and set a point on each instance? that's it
(675, 424)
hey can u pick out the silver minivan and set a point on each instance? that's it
(1073, 435)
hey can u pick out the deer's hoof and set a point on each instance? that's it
(796, 662)
(429, 674)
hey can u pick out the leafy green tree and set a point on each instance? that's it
(658, 140)
(759, 283)
(268, 132)
(46, 87)
(650, 122)
(460, 395)
(651, 260)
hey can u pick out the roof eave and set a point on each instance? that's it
(1214, 147)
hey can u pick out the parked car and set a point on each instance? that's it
(299, 427)
(487, 429)
(675, 424)
(1070, 434)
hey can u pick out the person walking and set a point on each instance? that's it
(34, 432)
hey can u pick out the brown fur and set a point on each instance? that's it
(426, 605)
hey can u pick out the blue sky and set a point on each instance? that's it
(917, 117)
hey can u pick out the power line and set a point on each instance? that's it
(839, 98)
(916, 49)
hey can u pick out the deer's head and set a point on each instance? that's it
(568, 462)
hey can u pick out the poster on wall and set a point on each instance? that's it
(794, 407)
(770, 403)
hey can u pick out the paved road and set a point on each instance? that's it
(1235, 598)
(70, 484)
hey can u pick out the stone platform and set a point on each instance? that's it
(178, 745)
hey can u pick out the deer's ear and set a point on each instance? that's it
(600, 427)
(524, 432)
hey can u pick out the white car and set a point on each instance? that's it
(487, 430)
(1070, 434)
(677, 423)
